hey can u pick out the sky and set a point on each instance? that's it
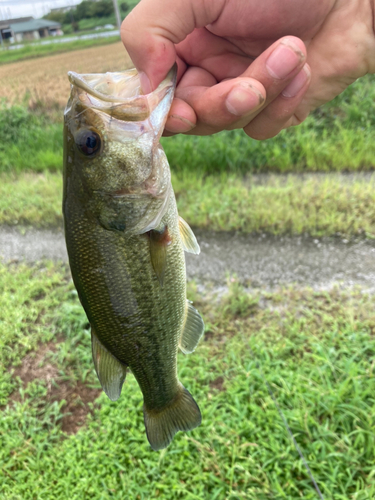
(22, 8)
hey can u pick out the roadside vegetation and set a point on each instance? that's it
(338, 137)
(213, 177)
(62, 436)
(326, 205)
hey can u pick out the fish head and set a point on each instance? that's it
(112, 148)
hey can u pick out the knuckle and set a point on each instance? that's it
(298, 118)
(261, 134)
(126, 29)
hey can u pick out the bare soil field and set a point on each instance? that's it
(44, 80)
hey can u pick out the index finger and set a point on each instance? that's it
(152, 29)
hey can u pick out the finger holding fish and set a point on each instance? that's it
(229, 90)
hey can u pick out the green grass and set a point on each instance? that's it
(337, 137)
(31, 200)
(315, 349)
(301, 149)
(317, 205)
(30, 141)
(33, 51)
(28, 297)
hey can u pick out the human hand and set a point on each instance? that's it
(340, 47)
(221, 85)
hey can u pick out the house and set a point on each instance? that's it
(5, 31)
(18, 30)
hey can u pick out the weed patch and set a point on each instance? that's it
(314, 348)
(31, 200)
(25, 144)
(324, 205)
(337, 137)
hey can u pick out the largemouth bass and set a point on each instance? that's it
(126, 244)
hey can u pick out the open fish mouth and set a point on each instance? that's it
(129, 173)
(120, 94)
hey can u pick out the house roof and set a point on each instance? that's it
(33, 25)
(7, 22)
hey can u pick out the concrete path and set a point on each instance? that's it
(262, 260)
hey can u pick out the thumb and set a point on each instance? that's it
(153, 28)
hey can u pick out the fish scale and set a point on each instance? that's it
(126, 245)
(123, 299)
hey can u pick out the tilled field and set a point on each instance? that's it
(43, 80)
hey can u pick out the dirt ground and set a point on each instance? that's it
(44, 79)
(37, 366)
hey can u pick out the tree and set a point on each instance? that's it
(88, 9)
(58, 17)
(103, 8)
(125, 7)
(84, 10)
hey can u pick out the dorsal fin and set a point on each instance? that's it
(189, 241)
(111, 372)
(193, 330)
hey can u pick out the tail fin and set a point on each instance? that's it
(182, 414)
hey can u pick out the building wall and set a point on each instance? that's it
(43, 32)
(27, 35)
(36, 35)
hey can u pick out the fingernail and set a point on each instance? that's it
(179, 124)
(284, 59)
(243, 99)
(145, 83)
(297, 83)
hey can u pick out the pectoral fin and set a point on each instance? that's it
(193, 330)
(189, 241)
(159, 240)
(111, 372)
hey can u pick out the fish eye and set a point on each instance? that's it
(88, 142)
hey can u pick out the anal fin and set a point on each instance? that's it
(193, 330)
(111, 372)
(189, 241)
